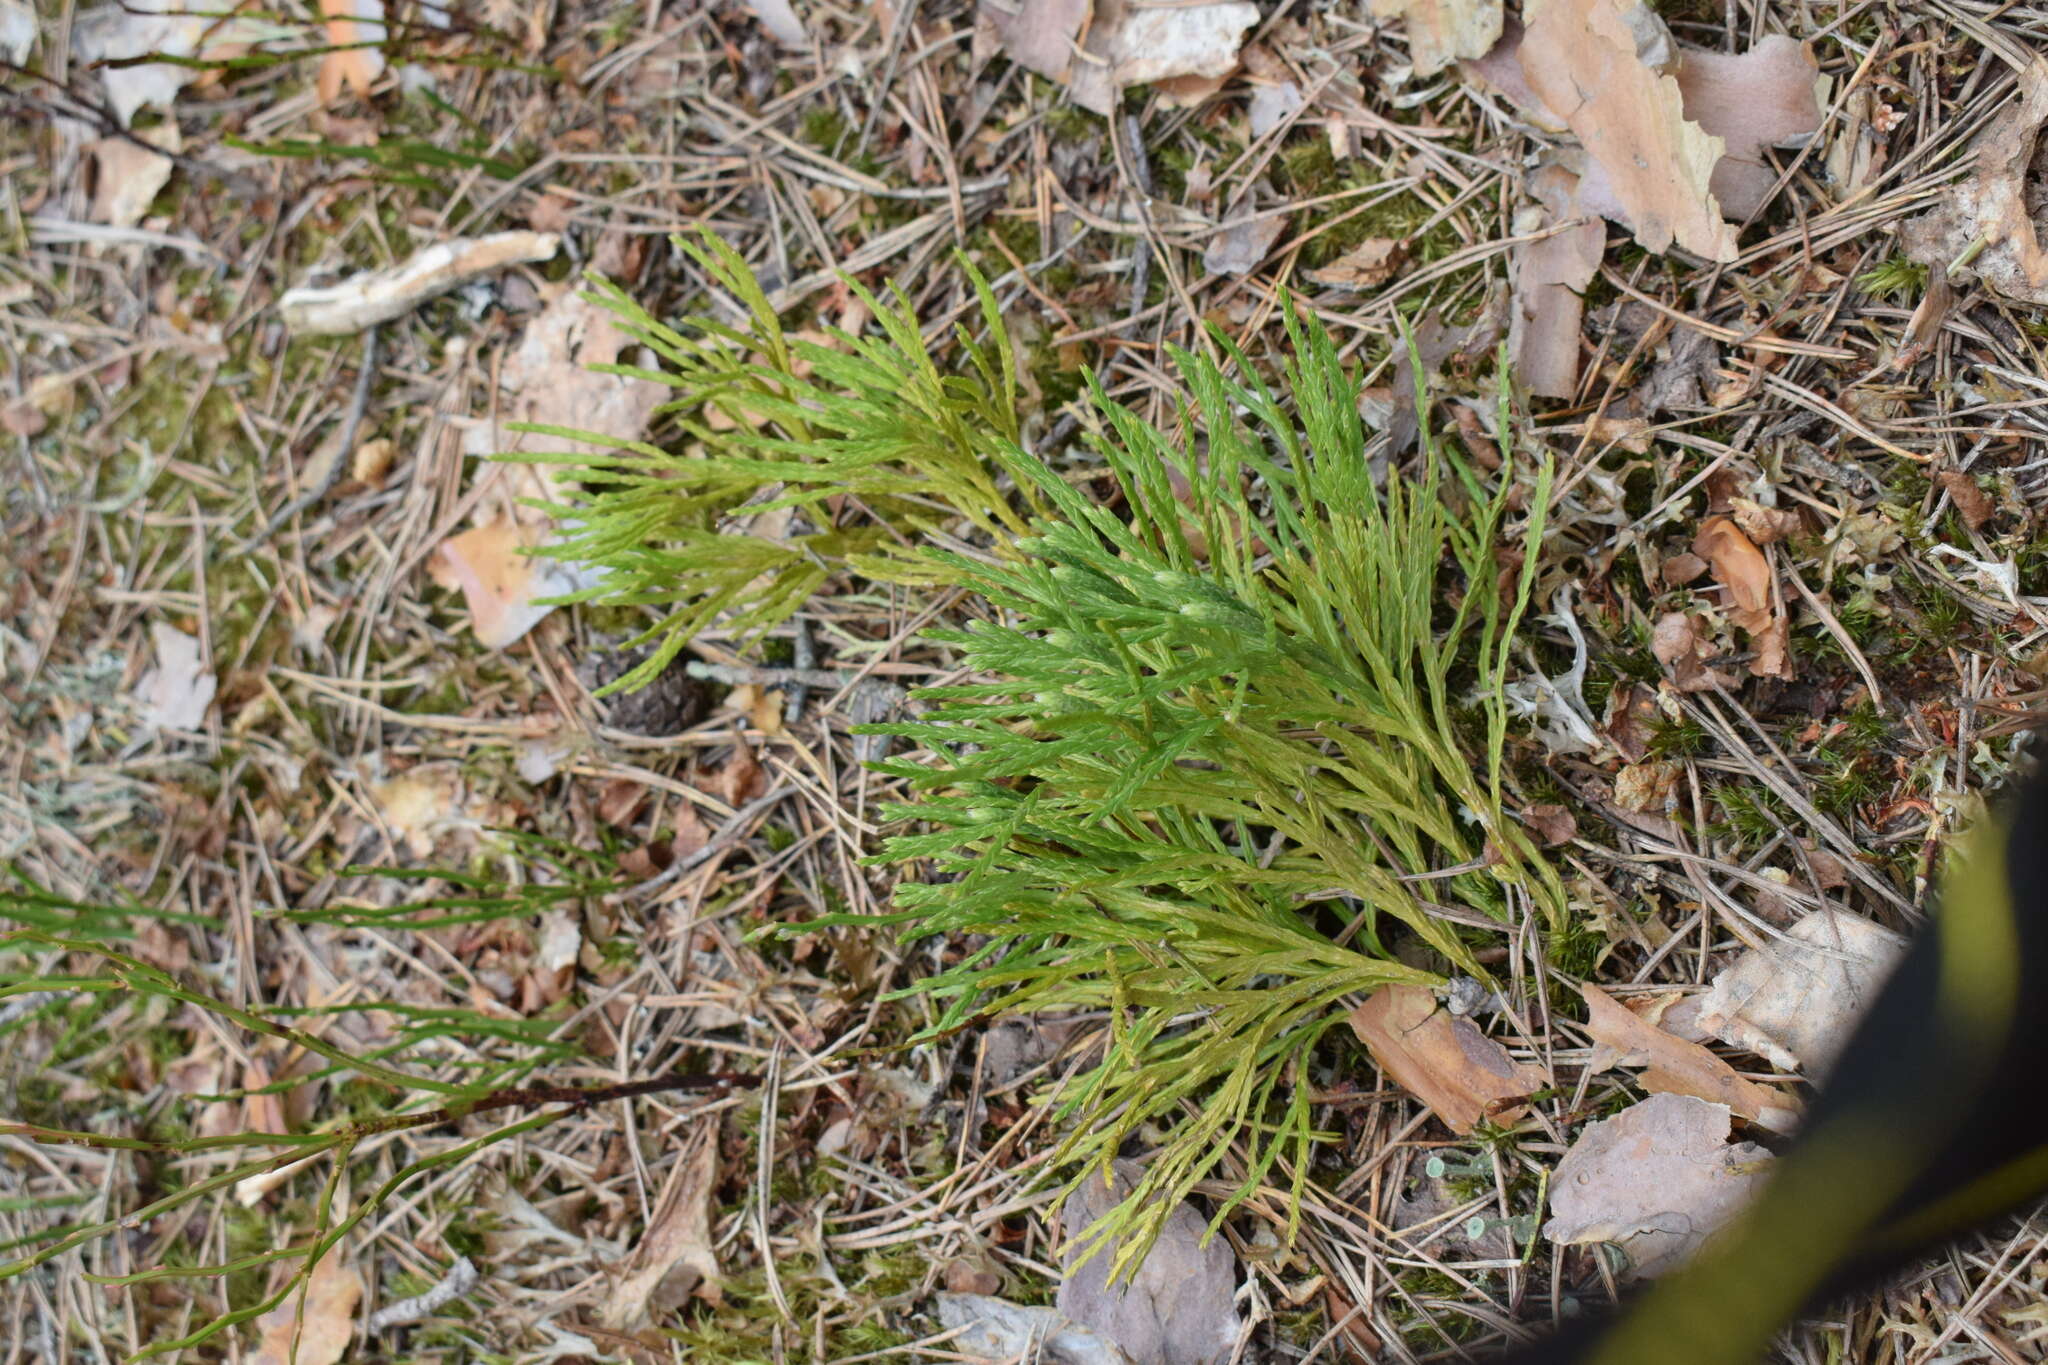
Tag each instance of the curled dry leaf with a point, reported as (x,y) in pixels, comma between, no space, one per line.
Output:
(500,582)
(1238,248)
(127,177)
(351,67)
(1764,525)
(1973,505)
(998,1330)
(674,1259)
(1551,273)
(1655,1180)
(1741,568)
(380,295)
(1598,65)
(1648,786)
(1553,824)
(314,1328)
(1671,1065)
(1681,646)
(1179,1307)
(1369,264)
(1442,31)
(1442,1060)
(1794,1000)
(1986,227)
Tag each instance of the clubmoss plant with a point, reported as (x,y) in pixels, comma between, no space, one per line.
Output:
(1216,713)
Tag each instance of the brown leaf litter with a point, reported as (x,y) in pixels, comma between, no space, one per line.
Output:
(994,1329)
(1672,1065)
(1097,49)
(178,691)
(314,1327)
(1794,1000)
(1442,1059)
(1671,142)
(1744,571)
(1442,31)
(674,1260)
(1177,1308)
(1656,1180)
(1988,227)
(1551,273)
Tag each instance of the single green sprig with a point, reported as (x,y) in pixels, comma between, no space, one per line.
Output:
(1236,694)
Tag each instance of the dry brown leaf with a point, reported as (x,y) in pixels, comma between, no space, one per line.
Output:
(1745,571)
(1367,265)
(1765,97)
(1039,35)
(1681,646)
(1655,1180)
(1647,786)
(1764,525)
(1550,277)
(1442,31)
(176,693)
(1681,569)
(1553,824)
(1598,65)
(674,1259)
(357,68)
(499,581)
(993,1329)
(1442,1060)
(1795,1000)
(1132,44)
(1675,1066)
(1238,249)
(1177,1308)
(1499,70)
(127,177)
(741,779)
(1987,218)
(1973,505)
(372,461)
(313,1329)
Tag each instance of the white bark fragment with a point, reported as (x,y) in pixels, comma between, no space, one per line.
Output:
(380,295)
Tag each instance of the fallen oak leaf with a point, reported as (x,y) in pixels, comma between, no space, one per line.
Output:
(1674,1066)
(1599,66)
(1984,227)
(1443,1060)
(353,66)
(1177,1307)
(316,1321)
(674,1260)
(1794,1000)
(1371,263)
(1443,31)
(1656,1180)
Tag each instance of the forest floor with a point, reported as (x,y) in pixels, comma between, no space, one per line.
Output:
(238,668)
